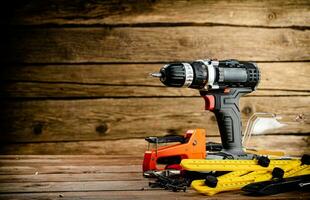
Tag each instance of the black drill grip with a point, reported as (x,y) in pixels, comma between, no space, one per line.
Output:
(228,118)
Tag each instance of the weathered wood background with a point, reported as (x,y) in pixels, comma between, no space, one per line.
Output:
(74,74)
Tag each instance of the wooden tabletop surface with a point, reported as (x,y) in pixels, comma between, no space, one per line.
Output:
(90,177)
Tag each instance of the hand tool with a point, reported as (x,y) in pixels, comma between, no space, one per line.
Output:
(278,186)
(221,84)
(247,174)
(191,145)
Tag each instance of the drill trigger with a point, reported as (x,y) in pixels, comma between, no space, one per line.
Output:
(209,102)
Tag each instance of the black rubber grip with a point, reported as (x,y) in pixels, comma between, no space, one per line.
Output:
(166,139)
(228,117)
(278,186)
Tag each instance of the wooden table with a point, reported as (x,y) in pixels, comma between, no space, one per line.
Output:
(90,177)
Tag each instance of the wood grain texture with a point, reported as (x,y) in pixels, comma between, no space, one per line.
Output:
(81,83)
(101,119)
(148,194)
(154,44)
(74,186)
(133,176)
(11,170)
(73,91)
(47,181)
(55,160)
(273,13)
(292,145)
(282,76)
(72,158)
(25,90)
(132,80)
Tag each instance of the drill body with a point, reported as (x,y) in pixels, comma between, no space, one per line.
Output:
(221,84)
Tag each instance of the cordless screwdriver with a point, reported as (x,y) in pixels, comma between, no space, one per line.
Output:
(221,84)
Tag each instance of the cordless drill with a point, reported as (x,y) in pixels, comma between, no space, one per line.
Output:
(221,84)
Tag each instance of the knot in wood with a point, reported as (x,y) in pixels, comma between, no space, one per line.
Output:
(272,16)
(102,129)
(247,110)
(212,118)
(38,128)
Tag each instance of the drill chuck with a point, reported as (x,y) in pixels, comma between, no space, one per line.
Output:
(209,74)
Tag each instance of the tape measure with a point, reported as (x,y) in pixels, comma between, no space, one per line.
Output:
(234,165)
(199,185)
(265,152)
(234,174)
(250,176)
(298,171)
(235,180)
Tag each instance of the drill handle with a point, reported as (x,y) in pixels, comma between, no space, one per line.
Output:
(225,106)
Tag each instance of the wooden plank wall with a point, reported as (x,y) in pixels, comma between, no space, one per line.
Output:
(74,74)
